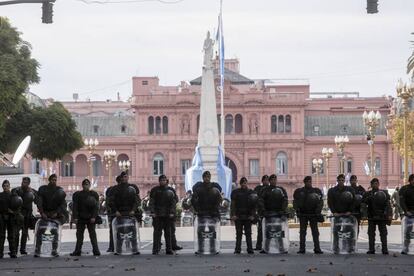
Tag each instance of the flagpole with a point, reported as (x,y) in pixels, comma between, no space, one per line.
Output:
(221,56)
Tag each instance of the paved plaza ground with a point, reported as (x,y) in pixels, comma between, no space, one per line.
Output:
(226,263)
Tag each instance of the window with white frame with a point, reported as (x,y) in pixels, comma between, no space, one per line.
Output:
(158,164)
(254,167)
(281,164)
(185,165)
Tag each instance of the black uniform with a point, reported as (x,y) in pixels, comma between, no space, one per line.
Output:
(85,208)
(111,215)
(124,198)
(308,203)
(275,202)
(242,208)
(52,203)
(342,200)
(407,205)
(359,194)
(162,206)
(29,197)
(258,190)
(173,237)
(9,219)
(379,213)
(206,201)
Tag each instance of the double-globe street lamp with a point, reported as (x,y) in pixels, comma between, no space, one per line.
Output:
(109,158)
(91,145)
(371,121)
(317,165)
(405,92)
(327,154)
(340,142)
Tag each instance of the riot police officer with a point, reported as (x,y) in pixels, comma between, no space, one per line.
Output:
(308,203)
(174,245)
(275,202)
(29,196)
(124,200)
(341,202)
(52,206)
(85,211)
(407,205)
(10,205)
(359,193)
(258,189)
(162,207)
(379,213)
(242,212)
(111,214)
(206,201)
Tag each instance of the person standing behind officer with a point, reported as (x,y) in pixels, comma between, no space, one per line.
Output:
(275,202)
(9,216)
(359,193)
(258,189)
(242,212)
(407,205)
(111,214)
(162,208)
(174,245)
(29,196)
(85,211)
(379,213)
(52,206)
(308,203)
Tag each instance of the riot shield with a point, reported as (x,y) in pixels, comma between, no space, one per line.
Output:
(407,227)
(275,234)
(126,235)
(206,235)
(48,234)
(186,218)
(146,220)
(344,234)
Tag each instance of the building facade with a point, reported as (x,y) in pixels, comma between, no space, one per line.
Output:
(271,126)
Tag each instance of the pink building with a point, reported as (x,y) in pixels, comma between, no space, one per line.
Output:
(271,126)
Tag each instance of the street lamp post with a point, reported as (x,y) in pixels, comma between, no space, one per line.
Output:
(109,158)
(371,121)
(91,145)
(124,165)
(405,93)
(327,154)
(340,142)
(317,165)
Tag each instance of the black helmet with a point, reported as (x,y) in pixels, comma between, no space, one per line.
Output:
(380,199)
(28,197)
(253,199)
(277,194)
(358,199)
(312,200)
(16,202)
(90,202)
(186,204)
(169,194)
(346,199)
(59,196)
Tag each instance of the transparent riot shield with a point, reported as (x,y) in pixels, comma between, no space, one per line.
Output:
(186,218)
(407,227)
(206,235)
(275,234)
(126,235)
(146,220)
(344,234)
(48,234)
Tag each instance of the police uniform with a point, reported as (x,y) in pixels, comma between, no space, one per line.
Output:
(407,205)
(241,207)
(379,213)
(9,218)
(359,194)
(85,208)
(162,206)
(308,203)
(258,190)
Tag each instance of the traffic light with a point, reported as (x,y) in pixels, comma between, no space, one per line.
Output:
(47,12)
(372,6)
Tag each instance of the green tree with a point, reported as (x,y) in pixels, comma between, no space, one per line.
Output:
(397,134)
(17,71)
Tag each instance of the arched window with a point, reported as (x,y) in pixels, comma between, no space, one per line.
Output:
(273,124)
(158,125)
(238,125)
(288,124)
(165,125)
(281,124)
(66,166)
(281,164)
(96,165)
(228,124)
(158,164)
(150,125)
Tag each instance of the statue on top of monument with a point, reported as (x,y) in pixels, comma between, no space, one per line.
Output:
(208,51)
(410,65)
